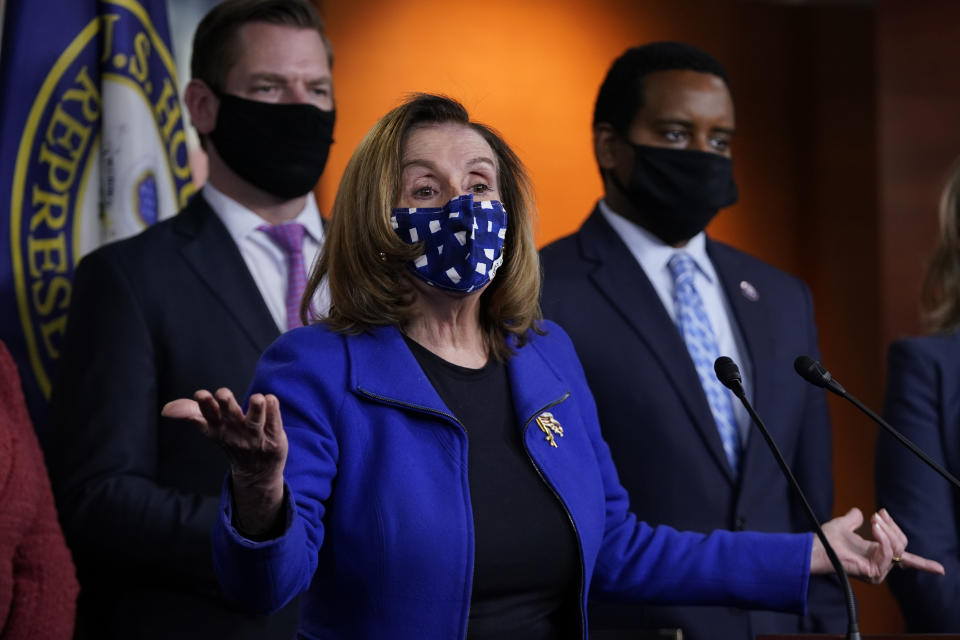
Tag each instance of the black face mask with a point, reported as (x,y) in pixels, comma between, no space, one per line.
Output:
(677,192)
(280,148)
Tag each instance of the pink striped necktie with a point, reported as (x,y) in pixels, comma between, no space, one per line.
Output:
(289,238)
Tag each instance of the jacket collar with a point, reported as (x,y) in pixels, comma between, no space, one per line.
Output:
(214,257)
(752,316)
(750,312)
(535,381)
(622,281)
(383,368)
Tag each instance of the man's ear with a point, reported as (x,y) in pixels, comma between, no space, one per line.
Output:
(202,104)
(605,141)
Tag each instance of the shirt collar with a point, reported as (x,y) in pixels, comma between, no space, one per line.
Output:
(651,252)
(241,221)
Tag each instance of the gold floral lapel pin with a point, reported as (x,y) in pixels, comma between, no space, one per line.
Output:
(550,426)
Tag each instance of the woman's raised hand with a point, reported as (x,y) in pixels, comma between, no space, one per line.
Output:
(869,560)
(256,447)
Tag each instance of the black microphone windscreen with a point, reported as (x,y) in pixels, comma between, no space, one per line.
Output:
(727,372)
(810,370)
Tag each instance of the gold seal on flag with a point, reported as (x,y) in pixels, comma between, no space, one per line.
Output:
(103,145)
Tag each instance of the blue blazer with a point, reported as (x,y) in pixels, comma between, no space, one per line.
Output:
(379,532)
(656,419)
(923,403)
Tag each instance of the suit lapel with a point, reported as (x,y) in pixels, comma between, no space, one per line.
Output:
(534,383)
(625,285)
(215,258)
(749,313)
(383,367)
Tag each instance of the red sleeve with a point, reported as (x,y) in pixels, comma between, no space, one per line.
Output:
(38,584)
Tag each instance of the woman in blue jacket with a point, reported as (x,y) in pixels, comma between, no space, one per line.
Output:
(923,402)
(445,475)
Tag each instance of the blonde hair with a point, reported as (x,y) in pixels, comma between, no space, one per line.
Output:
(941,287)
(365,262)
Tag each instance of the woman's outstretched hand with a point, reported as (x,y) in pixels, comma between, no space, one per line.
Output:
(256,447)
(869,560)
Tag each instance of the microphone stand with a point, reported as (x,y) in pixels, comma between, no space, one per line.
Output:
(729,374)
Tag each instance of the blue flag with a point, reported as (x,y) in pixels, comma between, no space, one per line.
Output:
(92,149)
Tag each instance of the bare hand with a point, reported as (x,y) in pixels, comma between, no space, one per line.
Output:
(255,444)
(869,560)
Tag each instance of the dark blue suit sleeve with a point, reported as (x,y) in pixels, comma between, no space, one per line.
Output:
(922,503)
(104,452)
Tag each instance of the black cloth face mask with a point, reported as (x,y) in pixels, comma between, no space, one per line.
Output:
(677,192)
(281,148)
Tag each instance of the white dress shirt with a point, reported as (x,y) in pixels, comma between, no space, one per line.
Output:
(653,255)
(266,261)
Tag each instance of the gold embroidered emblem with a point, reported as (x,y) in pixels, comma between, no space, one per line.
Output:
(550,426)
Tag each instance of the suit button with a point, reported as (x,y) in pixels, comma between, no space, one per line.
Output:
(739,524)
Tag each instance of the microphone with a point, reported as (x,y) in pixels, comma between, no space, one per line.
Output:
(728,373)
(815,373)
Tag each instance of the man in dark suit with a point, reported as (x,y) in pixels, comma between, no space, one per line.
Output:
(650,301)
(191,303)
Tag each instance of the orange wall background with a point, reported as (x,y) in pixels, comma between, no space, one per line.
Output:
(532,70)
(827,159)
(529,69)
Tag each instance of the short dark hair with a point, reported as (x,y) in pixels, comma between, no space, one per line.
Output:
(621,94)
(214,43)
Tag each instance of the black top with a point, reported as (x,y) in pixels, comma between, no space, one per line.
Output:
(525,569)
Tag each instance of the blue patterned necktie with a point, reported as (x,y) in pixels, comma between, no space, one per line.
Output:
(695,328)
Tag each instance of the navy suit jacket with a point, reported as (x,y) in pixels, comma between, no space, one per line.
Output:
(656,419)
(923,403)
(153,318)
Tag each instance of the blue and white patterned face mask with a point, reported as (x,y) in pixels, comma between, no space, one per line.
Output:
(462,241)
